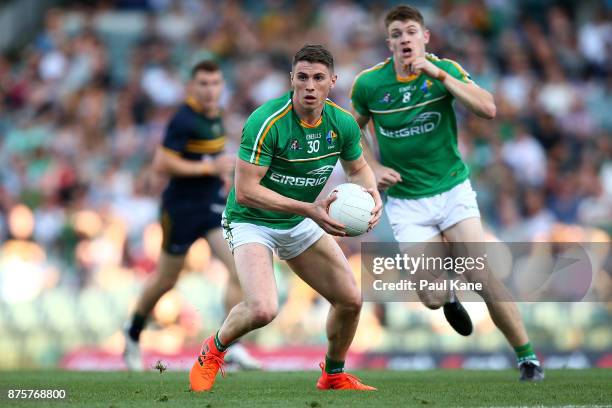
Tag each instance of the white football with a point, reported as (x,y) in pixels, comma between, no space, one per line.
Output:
(352,207)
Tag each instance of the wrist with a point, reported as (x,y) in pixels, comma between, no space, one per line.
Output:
(375,165)
(205,168)
(441,75)
(304,209)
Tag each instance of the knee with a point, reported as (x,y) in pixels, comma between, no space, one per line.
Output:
(262,313)
(433,304)
(352,304)
(432,300)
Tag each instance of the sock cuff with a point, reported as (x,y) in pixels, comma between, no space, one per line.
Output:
(523,348)
(333,367)
(525,353)
(220,346)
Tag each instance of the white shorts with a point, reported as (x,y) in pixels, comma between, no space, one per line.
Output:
(286,243)
(420,219)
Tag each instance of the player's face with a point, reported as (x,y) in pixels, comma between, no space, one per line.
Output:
(311,83)
(206,87)
(406,40)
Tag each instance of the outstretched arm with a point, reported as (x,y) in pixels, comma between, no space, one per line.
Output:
(170,163)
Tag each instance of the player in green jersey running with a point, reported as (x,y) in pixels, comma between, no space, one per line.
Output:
(289,147)
(409,98)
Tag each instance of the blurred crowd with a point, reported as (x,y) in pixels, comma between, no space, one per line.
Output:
(85,103)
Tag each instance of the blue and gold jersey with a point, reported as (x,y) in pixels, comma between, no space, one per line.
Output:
(194,136)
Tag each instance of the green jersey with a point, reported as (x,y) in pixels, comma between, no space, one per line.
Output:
(415,126)
(300,157)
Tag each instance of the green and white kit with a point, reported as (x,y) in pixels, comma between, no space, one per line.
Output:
(416,130)
(300,158)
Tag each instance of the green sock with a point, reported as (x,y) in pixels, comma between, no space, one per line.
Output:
(525,353)
(218,344)
(333,367)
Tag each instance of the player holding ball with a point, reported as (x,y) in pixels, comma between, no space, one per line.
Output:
(289,148)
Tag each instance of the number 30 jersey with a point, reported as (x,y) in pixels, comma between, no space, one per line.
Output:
(300,157)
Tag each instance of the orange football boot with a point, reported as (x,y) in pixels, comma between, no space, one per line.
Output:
(204,370)
(340,381)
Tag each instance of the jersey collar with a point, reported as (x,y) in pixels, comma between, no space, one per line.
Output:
(196,107)
(399,78)
(302,123)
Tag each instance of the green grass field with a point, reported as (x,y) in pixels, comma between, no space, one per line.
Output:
(426,388)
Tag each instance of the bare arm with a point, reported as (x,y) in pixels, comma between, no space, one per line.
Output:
(385,176)
(363,122)
(358,172)
(167,162)
(250,193)
(473,97)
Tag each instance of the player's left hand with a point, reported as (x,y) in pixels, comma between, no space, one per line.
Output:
(377,210)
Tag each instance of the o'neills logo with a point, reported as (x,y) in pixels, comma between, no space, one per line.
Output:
(322,173)
(424,123)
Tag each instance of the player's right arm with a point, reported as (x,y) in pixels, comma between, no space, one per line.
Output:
(255,156)
(168,160)
(250,193)
(172,164)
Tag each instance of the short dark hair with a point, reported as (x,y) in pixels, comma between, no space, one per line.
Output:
(315,53)
(205,65)
(404,13)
